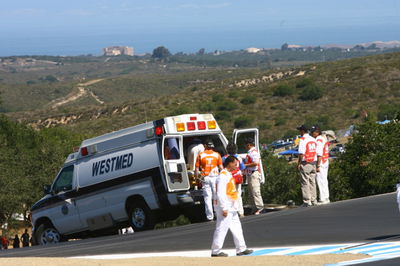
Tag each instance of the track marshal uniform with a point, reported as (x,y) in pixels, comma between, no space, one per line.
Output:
(238,176)
(322,175)
(308,148)
(208,161)
(227,200)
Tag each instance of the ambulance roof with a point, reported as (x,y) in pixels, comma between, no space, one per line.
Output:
(117,134)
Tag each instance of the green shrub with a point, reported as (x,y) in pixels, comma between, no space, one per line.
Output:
(223,115)
(280,121)
(207,106)
(251,99)
(388,111)
(311,93)
(234,94)
(242,121)
(217,98)
(304,83)
(181,110)
(227,105)
(283,90)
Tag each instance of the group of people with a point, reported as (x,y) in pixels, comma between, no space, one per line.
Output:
(17,241)
(222,179)
(313,164)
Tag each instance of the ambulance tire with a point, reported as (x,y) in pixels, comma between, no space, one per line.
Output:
(46,234)
(140,216)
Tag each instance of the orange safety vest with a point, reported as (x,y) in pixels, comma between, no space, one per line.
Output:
(231,191)
(208,160)
(325,154)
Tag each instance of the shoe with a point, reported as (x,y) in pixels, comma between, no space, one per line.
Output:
(315,203)
(327,201)
(221,254)
(258,212)
(245,252)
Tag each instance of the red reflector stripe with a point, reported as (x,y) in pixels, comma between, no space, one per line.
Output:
(191,126)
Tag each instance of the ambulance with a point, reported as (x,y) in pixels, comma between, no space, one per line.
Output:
(134,177)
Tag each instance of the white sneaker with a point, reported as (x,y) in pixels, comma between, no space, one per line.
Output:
(327,201)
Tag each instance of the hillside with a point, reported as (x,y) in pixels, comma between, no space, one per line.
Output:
(349,89)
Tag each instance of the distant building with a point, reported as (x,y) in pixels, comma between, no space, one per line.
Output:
(118,50)
(253,50)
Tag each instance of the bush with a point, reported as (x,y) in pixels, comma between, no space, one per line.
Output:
(280,121)
(311,93)
(223,115)
(388,111)
(217,98)
(283,90)
(242,121)
(304,83)
(227,106)
(206,106)
(371,163)
(282,182)
(181,110)
(249,100)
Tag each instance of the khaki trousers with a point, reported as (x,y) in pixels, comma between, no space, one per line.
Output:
(308,186)
(255,191)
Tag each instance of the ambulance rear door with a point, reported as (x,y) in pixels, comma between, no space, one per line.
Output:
(239,138)
(174,163)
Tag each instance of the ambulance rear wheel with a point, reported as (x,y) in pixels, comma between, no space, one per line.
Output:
(140,216)
(46,234)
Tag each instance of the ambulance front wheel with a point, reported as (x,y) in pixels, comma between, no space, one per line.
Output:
(140,216)
(46,234)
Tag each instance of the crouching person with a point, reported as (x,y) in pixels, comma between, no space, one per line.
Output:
(226,210)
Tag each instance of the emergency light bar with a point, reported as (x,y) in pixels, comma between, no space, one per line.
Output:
(191,126)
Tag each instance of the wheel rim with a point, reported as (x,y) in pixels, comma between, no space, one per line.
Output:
(138,218)
(50,236)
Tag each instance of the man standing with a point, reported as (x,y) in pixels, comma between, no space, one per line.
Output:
(208,162)
(255,179)
(307,166)
(237,174)
(322,165)
(227,212)
(25,238)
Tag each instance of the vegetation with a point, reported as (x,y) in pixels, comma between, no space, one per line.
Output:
(283,90)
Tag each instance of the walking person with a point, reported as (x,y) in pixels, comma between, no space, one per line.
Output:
(16,242)
(208,163)
(25,239)
(322,165)
(226,210)
(307,166)
(254,177)
(237,174)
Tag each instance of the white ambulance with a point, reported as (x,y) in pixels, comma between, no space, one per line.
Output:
(134,177)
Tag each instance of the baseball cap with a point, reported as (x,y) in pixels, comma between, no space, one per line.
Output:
(315,128)
(209,144)
(302,127)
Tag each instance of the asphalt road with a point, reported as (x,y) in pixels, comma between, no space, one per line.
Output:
(358,220)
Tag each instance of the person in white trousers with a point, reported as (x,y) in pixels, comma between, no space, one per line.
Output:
(227,212)
(322,165)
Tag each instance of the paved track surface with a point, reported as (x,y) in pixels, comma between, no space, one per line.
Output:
(353,221)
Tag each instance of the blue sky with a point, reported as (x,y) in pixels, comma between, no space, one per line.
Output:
(85,26)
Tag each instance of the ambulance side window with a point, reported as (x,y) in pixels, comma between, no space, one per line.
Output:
(171,149)
(64,180)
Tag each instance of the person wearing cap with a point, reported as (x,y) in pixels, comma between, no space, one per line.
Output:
(237,174)
(226,211)
(253,174)
(208,163)
(307,166)
(322,164)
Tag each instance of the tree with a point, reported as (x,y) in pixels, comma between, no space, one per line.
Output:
(285,47)
(161,53)
(283,90)
(311,93)
(202,51)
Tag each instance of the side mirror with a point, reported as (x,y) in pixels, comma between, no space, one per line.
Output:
(47,189)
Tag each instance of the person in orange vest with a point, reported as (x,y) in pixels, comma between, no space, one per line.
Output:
(209,163)
(307,166)
(322,165)
(226,210)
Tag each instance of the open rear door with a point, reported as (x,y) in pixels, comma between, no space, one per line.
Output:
(174,163)
(239,138)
